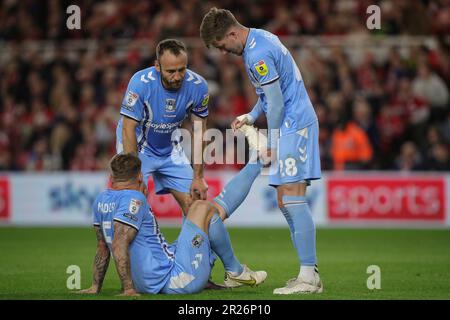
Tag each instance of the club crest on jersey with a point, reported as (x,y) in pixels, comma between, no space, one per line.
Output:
(170,105)
(261,68)
(197,241)
(131,98)
(135,205)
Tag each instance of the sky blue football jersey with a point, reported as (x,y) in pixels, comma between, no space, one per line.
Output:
(151,257)
(267,60)
(159,111)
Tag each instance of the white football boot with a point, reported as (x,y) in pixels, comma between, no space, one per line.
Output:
(247,278)
(299,286)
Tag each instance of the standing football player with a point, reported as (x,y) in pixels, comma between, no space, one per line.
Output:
(293,130)
(157,101)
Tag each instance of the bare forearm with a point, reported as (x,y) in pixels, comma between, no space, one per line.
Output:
(129,142)
(199,128)
(101,263)
(198,171)
(129,135)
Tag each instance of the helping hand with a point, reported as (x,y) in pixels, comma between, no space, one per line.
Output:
(199,189)
(240,121)
(143,189)
(91,290)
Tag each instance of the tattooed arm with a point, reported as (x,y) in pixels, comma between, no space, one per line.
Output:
(123,235)
(101,263)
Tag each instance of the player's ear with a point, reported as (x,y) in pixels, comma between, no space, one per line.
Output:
(157,66)
(232,34)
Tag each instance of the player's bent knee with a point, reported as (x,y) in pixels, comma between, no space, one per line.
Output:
(200,213)
(200,208)
(220,211)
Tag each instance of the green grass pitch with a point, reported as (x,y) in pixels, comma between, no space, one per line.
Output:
(415,264)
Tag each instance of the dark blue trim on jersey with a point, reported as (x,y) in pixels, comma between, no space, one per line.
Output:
(145,128)
(128,224)
(270,81)
(162,240)
(203,117)
(129,117)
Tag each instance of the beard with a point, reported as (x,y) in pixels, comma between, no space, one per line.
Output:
(171,85)
(237,51)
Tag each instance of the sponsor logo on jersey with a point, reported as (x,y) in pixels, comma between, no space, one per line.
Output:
(164,127)
(135,205)
(197,241)
(170,105)
(261,68)
(130,216)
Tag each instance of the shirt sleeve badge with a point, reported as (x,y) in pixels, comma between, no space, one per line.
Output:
(131,98)
(135,205)
(261,68)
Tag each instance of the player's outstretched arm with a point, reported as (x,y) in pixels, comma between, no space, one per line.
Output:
(199,187)
(248,118)
(101,263)
(129,135)
(123,235)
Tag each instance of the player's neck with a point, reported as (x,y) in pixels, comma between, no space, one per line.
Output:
(244,36)
(245,33)
(165,86)
(128,185)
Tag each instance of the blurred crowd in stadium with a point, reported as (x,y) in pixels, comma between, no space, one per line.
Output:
(59,112)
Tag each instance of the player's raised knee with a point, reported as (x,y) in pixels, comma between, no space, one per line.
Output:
(200,213)
(200,207)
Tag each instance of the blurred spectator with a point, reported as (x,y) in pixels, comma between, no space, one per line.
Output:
(439,159)
(66,94)
(412,109)
(430,86)
(432,138)
(409,158)
(363,117)
(391,126)
(350,146)
(445,129)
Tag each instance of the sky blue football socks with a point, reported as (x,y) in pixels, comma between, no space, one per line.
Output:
(237,189)
(221,244)
(304,235)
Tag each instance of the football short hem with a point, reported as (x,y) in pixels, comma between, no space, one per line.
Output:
(308,182)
